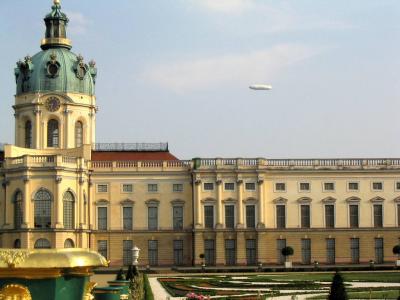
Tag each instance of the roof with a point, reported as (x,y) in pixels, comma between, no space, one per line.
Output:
(131,155)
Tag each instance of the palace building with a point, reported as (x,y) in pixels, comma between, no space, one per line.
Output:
(60,189)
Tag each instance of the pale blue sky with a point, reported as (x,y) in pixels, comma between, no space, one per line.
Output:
(179,71)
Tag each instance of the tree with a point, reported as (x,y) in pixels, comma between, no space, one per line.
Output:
(396,250)
(287,251)
(120,275)
(338,290)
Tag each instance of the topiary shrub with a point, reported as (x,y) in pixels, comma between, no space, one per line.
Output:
(287,251)
(338,290)
(120,275)
(396,250)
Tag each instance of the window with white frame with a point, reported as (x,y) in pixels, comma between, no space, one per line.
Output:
(329,186)
(250,186)
(353,186)
(208,186)
(127,214)
(378,215)
(397,185)
(281,216)
(305,215)
(329,215)
(250,216)
(102,247)
(102,188)
(229,186)
(280,187)
(230,216)
(152,217)
(353,215)
(177,187)
(127,188)
(152,187)
(177,212)
(208,216)
(102,218)
(304,186)
(377,185)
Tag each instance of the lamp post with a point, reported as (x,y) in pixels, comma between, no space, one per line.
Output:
(135,255)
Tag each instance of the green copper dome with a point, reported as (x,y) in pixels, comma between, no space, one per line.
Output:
(56,68)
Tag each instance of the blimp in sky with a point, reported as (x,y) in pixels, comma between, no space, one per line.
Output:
(260,87)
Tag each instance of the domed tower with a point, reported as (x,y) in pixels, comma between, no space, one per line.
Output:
(55,102)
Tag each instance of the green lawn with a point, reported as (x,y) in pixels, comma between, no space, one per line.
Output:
(387,294)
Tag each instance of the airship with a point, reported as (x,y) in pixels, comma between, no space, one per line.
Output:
(260,87)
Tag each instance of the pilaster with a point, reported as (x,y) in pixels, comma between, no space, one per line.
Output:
(58,204)
(240,222)
(219,223)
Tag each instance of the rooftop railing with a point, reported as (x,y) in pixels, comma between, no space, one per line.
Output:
(254,163)
(144,164)
(154,147)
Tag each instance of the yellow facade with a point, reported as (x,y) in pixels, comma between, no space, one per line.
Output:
(56,192)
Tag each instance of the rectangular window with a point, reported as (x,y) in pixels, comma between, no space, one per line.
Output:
(329,186)
(229,186)
(305,216)
(209,252)
(353,186)
(152,218)
(229,216)
(353,208)
(355,250)
(102,247)
(379,250)
(127,188)
(280,187)
(329,216)
(102,188)
(398,215)
(127,252)
(398,185)
(378,215)
(377,186)
(102,218)
(230,252)
(127,217)
(306,251)
(251,252)
(280,244)
(250,216)
(281,216)
(250,186)
(178,252)
(208,186)
(177,212)
(330,251)
(152,187)
(177,187)
(209,216)
(304,186)
(153,253)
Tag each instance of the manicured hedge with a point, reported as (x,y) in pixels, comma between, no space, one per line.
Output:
(147,289)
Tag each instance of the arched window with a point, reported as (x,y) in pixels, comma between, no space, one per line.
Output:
(52,133)
(69,212)
(42,209)
(18,210)
(28,134)
(17,244)
(69,243)
(78,134)
(42,244)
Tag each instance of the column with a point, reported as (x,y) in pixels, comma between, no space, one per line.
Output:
(27,204)
(89,205)
(240,222)
(18,139)
(36,141)
(66,130)
(197,204)
(80,202)
(5,184)
(241,249)
(219,204)
(261,221)
(58,204)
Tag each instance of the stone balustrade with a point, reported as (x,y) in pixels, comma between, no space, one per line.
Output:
(43,161)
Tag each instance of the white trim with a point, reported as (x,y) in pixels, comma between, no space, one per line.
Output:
(178,183)
(377,190)
(255,186)
(328,191)
(280,191)
(97,188)
(304,191)
(122,187)
(230,182)
(207,182)
(352,190)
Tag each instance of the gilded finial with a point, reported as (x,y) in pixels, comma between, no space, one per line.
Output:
(57,2)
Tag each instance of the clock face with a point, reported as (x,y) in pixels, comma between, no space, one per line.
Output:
(53,104)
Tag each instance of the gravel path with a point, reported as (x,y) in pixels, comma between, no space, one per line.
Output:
(159,292)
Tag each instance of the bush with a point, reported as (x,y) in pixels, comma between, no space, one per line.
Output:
(338,290)
(147,289)
(120,275)
(287,251)
(396,250)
